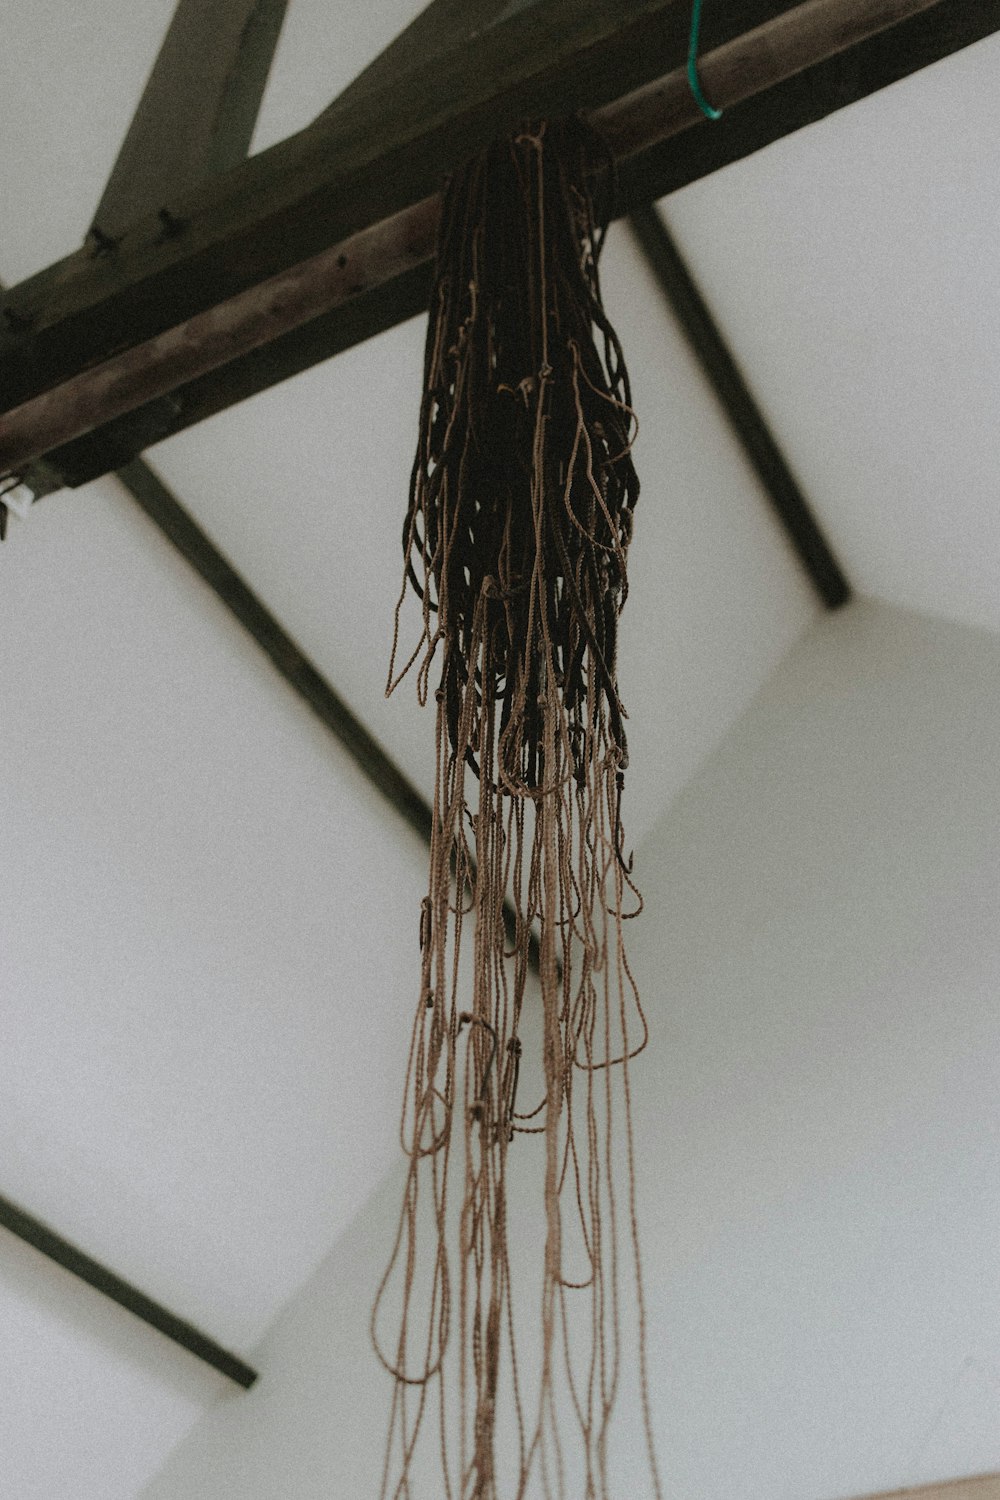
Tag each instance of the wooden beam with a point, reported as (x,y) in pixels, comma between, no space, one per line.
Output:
(52,1245)
(200,552)
(198,110)
(116,442)
(649,31)
(339,176)
(181,529)
(267,309)
(799,101)
(788,44)
(744,415)
(434,32)
(808,97)
(208,340)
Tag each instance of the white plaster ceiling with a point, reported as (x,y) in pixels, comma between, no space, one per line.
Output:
(210,931)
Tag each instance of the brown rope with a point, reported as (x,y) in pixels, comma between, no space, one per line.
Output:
(516,537)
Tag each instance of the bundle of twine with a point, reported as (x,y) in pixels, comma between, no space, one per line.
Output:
(516,537)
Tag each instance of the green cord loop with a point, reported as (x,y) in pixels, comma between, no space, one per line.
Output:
(707,109)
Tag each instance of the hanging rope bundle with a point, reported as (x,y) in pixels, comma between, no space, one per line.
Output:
(519,521)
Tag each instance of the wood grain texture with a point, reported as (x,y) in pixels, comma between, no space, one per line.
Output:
(199,107)
(347,171)
(144,288)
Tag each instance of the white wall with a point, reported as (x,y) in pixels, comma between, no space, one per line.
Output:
(820,1188)
(198,885)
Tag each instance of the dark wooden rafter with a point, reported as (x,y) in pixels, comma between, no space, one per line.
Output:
(354,166)
(200,552)
(52,1245)
(162,507)
(744,415)
(434,32)
(197,112)
(799,101)
(380,152)
(166,512)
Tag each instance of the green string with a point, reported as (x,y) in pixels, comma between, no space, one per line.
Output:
(702,103)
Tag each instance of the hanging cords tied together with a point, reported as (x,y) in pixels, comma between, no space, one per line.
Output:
(515,540)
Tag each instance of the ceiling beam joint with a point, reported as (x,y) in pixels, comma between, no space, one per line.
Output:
(380,157)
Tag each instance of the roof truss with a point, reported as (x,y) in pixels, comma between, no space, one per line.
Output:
(438,93)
